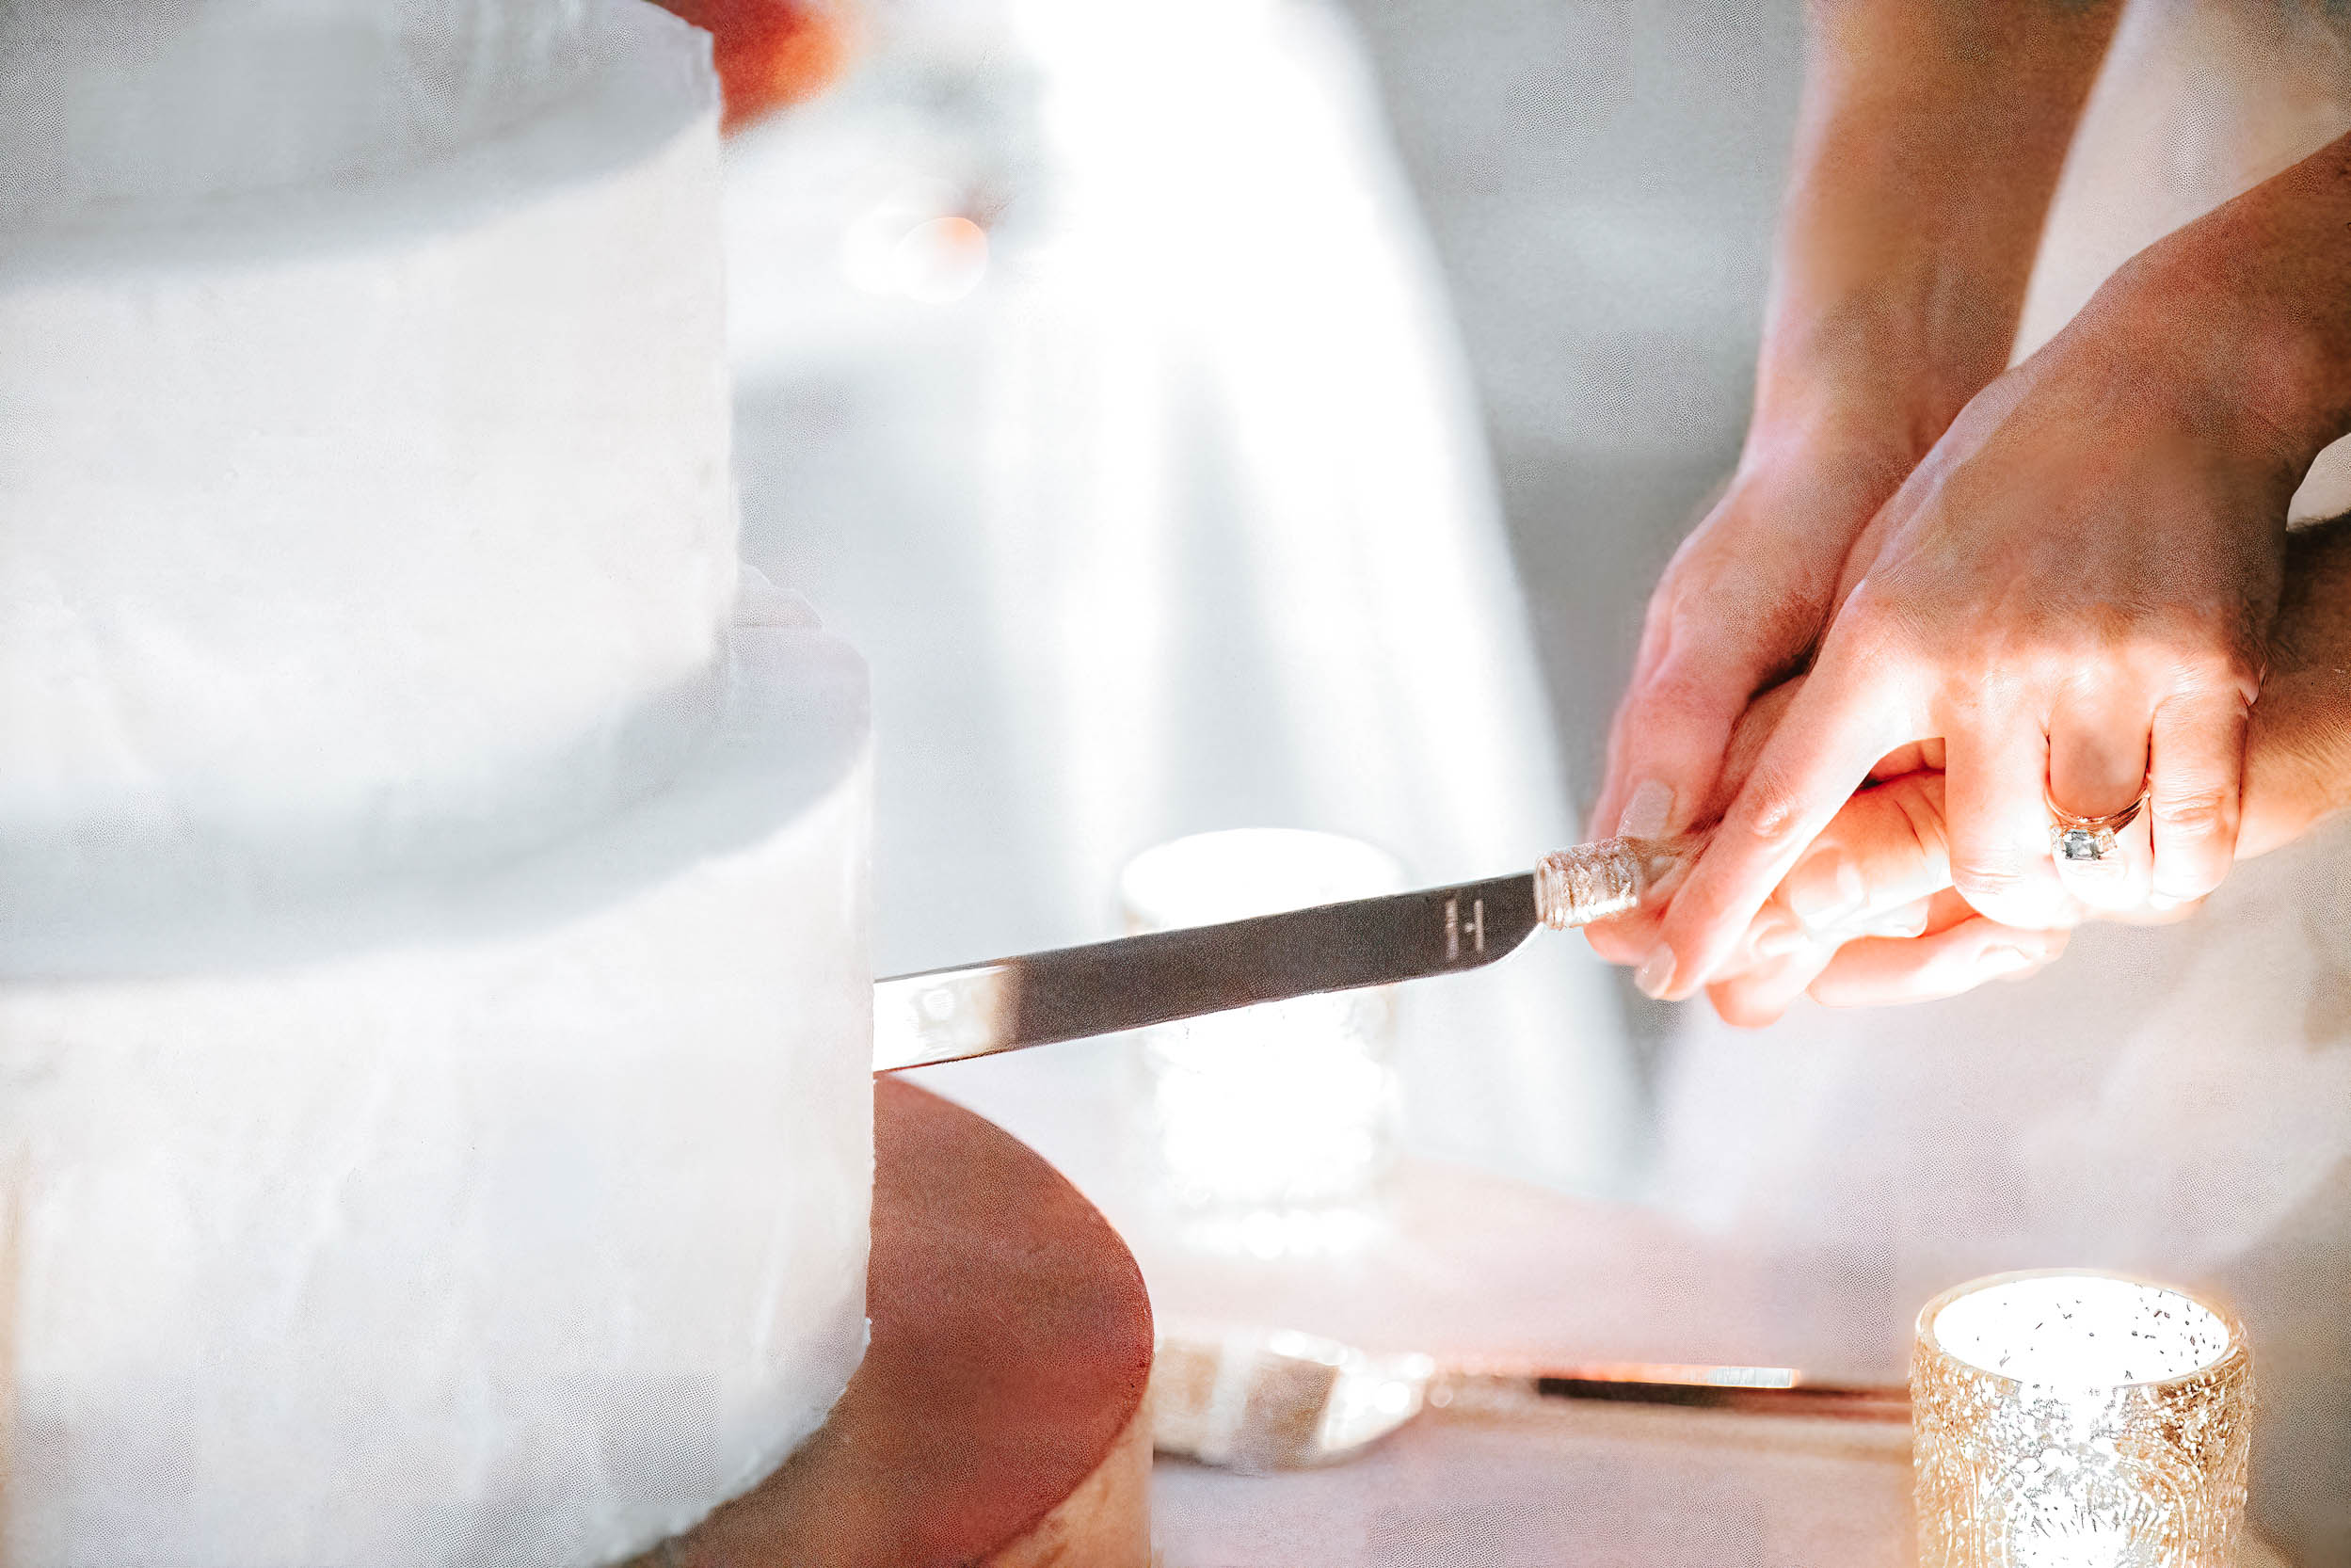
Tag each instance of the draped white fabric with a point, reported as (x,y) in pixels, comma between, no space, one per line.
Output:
(1180,520)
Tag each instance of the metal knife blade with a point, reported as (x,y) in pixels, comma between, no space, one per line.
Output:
(1102,987)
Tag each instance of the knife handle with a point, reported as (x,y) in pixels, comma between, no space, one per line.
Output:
(1610,877)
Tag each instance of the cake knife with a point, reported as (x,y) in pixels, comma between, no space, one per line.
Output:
(1102,987)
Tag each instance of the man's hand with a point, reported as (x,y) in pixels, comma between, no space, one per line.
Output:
(1867,917)
(1740,607)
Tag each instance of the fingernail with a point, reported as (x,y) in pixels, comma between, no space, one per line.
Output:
(1656,975)
(1778,936)
(2007,960)
(1647,813)
(1825,891)
(1902,922)
(2163,901)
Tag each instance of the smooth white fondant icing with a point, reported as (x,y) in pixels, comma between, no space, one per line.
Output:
(136,115)
(525,1234)
(376,510)
(435,1005)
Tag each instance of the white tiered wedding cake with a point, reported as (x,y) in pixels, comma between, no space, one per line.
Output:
(434,1000)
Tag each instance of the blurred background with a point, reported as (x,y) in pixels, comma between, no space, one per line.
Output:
(1600,180)
(1261,414)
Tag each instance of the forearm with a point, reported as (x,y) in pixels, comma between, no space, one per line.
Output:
(1928,146)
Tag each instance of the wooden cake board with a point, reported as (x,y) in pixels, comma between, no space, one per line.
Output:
(998,1418)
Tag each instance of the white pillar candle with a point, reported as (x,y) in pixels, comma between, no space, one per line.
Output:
(1268,1128)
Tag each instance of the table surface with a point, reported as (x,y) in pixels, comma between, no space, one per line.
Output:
(1598,1485)
(1459,1272)
(1471,1266)
(1529,1481)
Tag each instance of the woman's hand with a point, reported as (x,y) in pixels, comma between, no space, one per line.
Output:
(1928,145)
(1742,604)
(2071,593)
(1866,917)
(2071,590)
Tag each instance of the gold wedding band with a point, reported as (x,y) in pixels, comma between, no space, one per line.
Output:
(2087,839)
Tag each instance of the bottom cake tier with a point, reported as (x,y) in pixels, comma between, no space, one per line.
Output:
(523,1231)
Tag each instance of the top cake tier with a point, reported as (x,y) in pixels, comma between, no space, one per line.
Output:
(363,424)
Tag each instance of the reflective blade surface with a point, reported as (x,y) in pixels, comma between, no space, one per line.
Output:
(1103,988)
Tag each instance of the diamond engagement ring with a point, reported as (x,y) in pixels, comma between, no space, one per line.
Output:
(2087,839)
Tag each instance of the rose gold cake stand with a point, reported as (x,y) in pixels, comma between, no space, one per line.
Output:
(998,1418)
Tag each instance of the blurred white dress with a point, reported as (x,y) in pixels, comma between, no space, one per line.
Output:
(2175,1100)
(1178,519)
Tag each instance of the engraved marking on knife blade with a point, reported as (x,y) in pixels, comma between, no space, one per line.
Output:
(1452,930)
(1478,924)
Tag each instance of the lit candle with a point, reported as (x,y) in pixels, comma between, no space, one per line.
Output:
(2071,1419)
(1268,1127)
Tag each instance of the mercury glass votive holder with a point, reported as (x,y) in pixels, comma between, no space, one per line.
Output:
(1267,1129)
(2066,1418)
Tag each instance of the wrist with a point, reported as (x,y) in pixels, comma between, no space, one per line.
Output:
(1906,244)
(1927,147)
(1884,329)
(1846,384)
(2241,308)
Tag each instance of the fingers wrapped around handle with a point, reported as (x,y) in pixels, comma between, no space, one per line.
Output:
(1960,951)
(1854,709)
(1694,679)
(1740,606)
(2196,776)
(2045,764)
(1867,917)
(2094,833)
(1996,766)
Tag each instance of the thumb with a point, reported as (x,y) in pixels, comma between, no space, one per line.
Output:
(1672,760)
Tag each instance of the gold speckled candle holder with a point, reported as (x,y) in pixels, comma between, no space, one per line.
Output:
(2065,1419)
